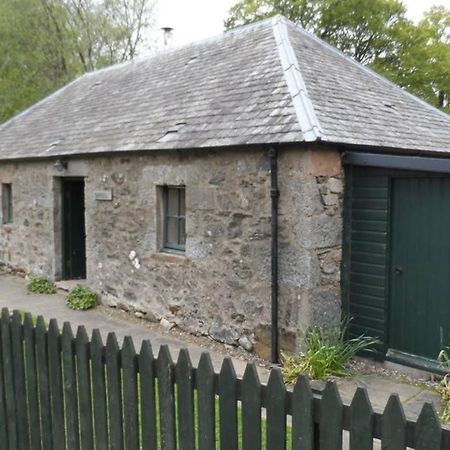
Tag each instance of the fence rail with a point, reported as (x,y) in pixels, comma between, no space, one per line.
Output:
(60,391)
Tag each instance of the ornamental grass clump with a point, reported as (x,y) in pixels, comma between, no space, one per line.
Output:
(81,298)
(327,353)
(41,285)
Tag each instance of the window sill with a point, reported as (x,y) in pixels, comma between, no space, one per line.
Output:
(173,256)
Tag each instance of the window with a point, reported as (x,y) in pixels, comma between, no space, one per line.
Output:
(174,218)
(6,203)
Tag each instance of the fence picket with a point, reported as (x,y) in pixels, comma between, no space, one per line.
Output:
(44,383)
(251,409)
(56,389)
(32,383)
(361,421)
(276,411)
(331,418)
(3,413)
(114,388)
(84,389)
(228,406)
(8,376)
(206,403)
(393,425)
(164,368)
(302,415)
(428,430)
(185,395)
(148,405)
(70,388)
(130,394)
(99,391)
(19,381)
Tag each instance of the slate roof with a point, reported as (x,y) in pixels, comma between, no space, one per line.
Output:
(266,83)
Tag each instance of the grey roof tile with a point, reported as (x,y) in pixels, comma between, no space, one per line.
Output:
(270,82)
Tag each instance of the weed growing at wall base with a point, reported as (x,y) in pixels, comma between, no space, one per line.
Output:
(41,285)
(81,298)
(444,388)
(327,353)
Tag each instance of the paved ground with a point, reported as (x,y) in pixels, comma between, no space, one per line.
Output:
(14,296)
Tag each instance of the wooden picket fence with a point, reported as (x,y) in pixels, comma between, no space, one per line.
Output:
(59,392)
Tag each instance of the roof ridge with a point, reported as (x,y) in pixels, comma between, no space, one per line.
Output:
(365,68)
(306,116)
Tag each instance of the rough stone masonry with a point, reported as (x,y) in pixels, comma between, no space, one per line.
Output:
(221,286)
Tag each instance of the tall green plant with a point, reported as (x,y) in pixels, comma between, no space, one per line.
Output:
(327,353)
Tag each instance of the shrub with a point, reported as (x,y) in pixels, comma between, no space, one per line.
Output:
(41,285)
(81,298)
(327,353)
(444,387)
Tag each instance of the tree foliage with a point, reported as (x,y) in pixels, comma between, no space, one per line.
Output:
(373,32)
(46,43)
(420,59)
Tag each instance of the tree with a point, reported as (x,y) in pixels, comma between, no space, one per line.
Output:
(46,43)
(359,28)
(420,59)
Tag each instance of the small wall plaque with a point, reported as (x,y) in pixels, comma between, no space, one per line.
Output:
(103,196)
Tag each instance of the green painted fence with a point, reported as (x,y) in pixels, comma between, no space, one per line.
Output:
(60,391)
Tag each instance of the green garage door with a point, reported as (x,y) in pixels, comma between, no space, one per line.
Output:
(419,307)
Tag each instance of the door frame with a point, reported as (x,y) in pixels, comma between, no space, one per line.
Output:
(58,222)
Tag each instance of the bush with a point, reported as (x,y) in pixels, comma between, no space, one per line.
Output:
(41,285)
(81,298)
(444,387)
(327,353)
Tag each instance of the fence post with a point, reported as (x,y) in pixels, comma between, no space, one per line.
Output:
(148,404)
(44,383)
(331,418)
(393,424)
(8,378)
(228,406)
(70,388)
(56,389)
(84,389)
(130,395)
(164,366)
(302,415)
(251,409)
(276,411)
(114,388)
(32,382)
(361,421)
(206,403)
(19,381)
(428,430)
(99,391)
(185,391)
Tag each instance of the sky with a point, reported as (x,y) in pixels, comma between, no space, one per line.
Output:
(198,19)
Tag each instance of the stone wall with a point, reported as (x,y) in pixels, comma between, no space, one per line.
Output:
(221,285)
(27,243)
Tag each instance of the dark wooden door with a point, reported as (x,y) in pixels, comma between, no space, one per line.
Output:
(74,231)
(420,266)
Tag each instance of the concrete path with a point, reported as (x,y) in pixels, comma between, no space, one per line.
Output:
(13,295)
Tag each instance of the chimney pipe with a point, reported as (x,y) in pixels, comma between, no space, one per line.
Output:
(168,34)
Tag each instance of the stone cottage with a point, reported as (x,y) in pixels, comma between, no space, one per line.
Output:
(205,185)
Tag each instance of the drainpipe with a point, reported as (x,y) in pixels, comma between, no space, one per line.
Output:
(274,195)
